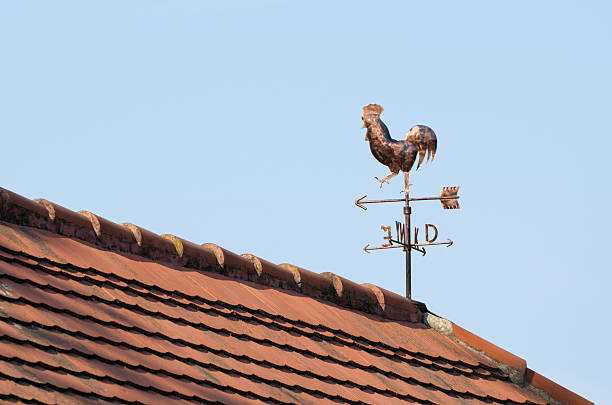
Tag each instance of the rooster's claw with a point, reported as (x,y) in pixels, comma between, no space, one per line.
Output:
(382,181)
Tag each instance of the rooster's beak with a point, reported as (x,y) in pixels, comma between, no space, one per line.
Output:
(363,126)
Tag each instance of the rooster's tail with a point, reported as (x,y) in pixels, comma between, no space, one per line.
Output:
(424,138)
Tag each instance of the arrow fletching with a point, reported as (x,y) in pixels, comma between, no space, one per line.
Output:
(450,204)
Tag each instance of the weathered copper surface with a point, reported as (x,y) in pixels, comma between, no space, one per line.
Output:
(401,155)
(397,155)
(81,323)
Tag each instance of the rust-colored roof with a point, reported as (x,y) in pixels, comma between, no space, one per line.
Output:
(92,311)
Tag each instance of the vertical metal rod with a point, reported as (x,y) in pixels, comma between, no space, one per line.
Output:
(408,250)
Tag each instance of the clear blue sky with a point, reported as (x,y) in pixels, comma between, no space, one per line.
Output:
(238,123)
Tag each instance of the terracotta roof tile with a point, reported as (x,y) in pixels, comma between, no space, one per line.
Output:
(92,311)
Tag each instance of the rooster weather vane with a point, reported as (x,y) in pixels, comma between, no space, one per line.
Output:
(401,156)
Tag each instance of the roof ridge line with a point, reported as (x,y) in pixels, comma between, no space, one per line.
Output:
(513,365)
(128,238)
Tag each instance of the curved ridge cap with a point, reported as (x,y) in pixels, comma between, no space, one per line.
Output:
(95,222)
(380,296)
(4,198)
(48,206)
(65,222)
(178,245)
(395,306)
(217,251)
(135,232)
(271,274)
(336,282)
(257,266)
(22,211)
(310,283)
(294,272)
(353,295)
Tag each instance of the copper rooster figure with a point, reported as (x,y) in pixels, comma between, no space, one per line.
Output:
(397,155)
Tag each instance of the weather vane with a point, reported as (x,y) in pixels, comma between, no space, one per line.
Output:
(401,155)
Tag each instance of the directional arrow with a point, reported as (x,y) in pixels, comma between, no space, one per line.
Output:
(359,202)
(448,244)
(367,249)
(450,195)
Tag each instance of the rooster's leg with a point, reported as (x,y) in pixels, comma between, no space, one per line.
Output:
(406,183)
(386,178)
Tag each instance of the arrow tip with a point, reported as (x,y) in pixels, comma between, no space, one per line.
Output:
(365,248)
(357,202)
(450,243)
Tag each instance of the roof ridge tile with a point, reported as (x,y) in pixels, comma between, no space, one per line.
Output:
(257,266)
(395,306)
(130,238)
(356,296)
(178,244)
(66,222)
(156,247)
(194,255)
(112,236)
(95,223)
(169,248)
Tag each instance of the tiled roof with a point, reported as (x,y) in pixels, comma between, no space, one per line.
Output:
(95,312)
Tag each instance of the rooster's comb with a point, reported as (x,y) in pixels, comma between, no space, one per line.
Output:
(373,109)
